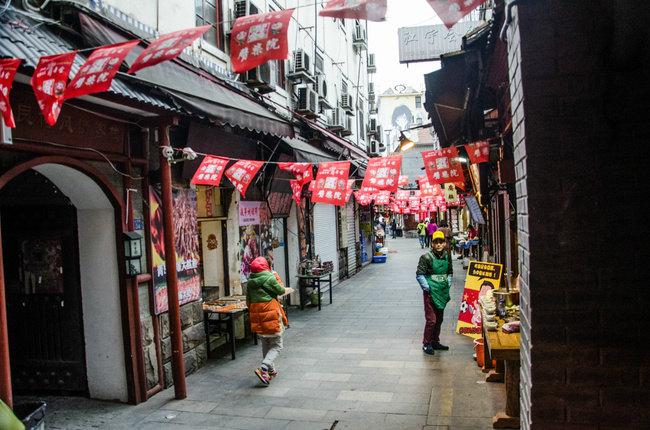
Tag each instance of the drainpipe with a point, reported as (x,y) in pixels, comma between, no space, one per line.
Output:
(178,364)
(508,20)
(5,368)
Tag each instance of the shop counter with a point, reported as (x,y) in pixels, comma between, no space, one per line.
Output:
(217,319)
(505,347)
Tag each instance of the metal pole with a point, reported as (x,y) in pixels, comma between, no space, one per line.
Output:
(5,367)
(178,364)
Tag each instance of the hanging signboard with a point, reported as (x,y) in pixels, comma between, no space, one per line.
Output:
(481,277)
(474,210)
(428,42)
(187,248)
(249,213)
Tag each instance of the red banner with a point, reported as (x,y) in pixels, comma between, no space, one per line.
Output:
(97,73)
(414,203)
(8,69)
(241,174)
(441,166)
(296,190)
(402,195)
(383,173)
(349,190)
(210,171)
(371,10)
(479,152)
(452,11)
(302,171)
(167,47)
(255,39)
(364,199)
(382,198)
(403,180)
(49,81)
(331,183)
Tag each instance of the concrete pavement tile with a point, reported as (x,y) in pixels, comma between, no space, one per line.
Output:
(309,425)
(393,407)
(246,423)
(242,410)
(402,419)
(347,350)
(189,406)
(375,418)
(382,364)
(296,414)
(330,405)
(327,377)
(366,396)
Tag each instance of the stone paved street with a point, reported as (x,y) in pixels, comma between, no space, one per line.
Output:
(358,362)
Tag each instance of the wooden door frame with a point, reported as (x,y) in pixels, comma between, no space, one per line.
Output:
(129,313)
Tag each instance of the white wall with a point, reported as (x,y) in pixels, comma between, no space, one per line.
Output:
(213,272)
(234,259)
(102,312)
(294,251)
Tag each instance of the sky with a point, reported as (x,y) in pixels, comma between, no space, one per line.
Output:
(383,42)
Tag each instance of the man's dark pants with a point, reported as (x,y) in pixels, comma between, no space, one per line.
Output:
(433,317)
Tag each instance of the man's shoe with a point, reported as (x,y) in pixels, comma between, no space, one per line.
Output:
(428,349)
(263,375)
(440,347)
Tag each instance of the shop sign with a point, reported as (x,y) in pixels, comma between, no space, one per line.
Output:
(49,82)
(187,248)
(442,166)
(383,173)
(428,42)
(451,195)
(249,213)
(331,183)
(241,174)
(481,277)
(479,152)
(475,210)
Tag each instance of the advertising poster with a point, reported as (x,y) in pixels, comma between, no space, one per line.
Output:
(187,248)
(481,277)
(254,235)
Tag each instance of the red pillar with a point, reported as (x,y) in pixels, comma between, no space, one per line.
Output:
(5,367)
(178,364)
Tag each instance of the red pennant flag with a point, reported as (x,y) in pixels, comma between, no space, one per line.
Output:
(331,183)
(210,171)
(97,73)
(452,11)
(364,199)
(403,180)
(8,69)
(49,81)
(441,166)
(296,190)
(302,171)
(479,152)
(402,195)
(383,173)
(255,39)
(241,174)
(414,203)
(371,10)
(167,47)
(349,190)
(382,198)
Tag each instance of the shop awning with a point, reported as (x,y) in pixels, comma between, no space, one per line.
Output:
(193,90)
(28,39)
(446,99)
(306,153)
(355,151)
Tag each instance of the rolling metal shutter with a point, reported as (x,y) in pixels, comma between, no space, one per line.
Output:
(351,236)
(325,240)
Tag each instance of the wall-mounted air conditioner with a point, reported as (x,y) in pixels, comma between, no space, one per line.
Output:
(372,67)
(347,130)
(372,126)
(338,120)
(300,67)
(375,147)
(321,86)
(359,39)
(307,101)
(347,103)
(260,78)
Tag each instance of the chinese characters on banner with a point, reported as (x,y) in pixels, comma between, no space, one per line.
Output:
(481,278)
(363,198)
(49,81)
(479,152)
(402,195)
(167,47)
(371,10)
(441,166)
(331,183)
(302,171)
(403,180)
(414,203)
(382,198)
(8,68)
(210,171)
(451,11)
(349,190)
(451,195)
(383,173)
(97,73)
(241,174)
(255,39)
(249,213)
(296,190)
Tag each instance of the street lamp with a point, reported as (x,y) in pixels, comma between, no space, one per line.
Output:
(405,143)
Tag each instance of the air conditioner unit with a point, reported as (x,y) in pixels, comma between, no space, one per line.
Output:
(375,147)
(372,67)
(307,101)
(372,108)
(241,8)
(372,127)
(338,120)
(5,134)
(347,103)
(347,130)
(300,67)
(371,91)
(260,78)
(321,85)
(359,39)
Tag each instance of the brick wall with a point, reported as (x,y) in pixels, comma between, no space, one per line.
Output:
(579,86)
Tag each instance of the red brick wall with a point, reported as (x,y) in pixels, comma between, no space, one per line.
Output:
(581,109)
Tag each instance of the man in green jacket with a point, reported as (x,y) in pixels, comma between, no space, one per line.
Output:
(434,274)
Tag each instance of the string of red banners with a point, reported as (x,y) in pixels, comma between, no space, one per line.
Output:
(255,40)
(380,183)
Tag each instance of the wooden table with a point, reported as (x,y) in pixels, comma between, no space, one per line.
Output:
(316,280)
(220,318)
(505,346)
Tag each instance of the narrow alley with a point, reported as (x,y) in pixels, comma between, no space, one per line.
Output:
(358,361)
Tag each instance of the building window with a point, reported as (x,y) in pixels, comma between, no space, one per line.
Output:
(211,12)
(319,64)
(418,102)
(280,79)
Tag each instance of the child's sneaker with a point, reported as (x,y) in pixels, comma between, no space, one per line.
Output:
(428,349)
(273,373)
(263,375)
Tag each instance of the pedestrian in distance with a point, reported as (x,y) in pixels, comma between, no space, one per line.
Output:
(422,233)
(393,227)
(431,228)
(434,274)
(267,316)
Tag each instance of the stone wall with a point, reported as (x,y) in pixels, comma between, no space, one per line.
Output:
(579,87)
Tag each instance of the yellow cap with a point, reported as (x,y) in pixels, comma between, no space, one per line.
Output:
(438,235)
